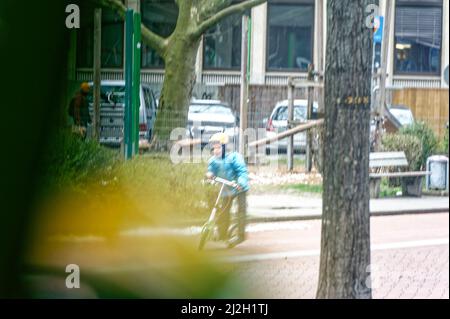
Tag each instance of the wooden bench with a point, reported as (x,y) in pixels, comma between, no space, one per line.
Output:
(381,162)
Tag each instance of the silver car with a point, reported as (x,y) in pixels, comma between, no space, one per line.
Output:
(207,117)
(278,123)
(112,102)
(402,114)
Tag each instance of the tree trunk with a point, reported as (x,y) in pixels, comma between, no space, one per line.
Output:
(179,52)
(345,242)
(179,79)
(179,75)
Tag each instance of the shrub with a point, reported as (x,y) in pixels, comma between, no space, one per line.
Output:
(150,185)
(443,147)
(427,138)
(402,143)
(156,183)
(409,144)
(72,162)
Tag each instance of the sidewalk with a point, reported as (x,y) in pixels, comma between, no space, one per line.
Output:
(281,207)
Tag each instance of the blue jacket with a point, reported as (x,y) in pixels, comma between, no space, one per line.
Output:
(232,168)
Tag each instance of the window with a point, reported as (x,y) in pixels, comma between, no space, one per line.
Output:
(111,94)
(290,35)
(299,113)
(149,100)
(418,37)
(222,44)
(112,42)
(210,109)
(161,18)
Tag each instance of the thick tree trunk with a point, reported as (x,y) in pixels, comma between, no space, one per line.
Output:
(345,242)
(179,51)
(179,79)
(179,75)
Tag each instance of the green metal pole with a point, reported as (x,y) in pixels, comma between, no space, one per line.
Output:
(136,79)
(127,134)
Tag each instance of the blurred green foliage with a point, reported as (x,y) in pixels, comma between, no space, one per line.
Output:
(443,147)
(179,185)
(409,144)
(305,188)
(72,164)
(427,138)
(387,190)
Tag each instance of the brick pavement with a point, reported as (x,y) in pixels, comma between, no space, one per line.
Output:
(397,274)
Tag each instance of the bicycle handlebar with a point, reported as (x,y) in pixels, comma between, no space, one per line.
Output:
(224,181)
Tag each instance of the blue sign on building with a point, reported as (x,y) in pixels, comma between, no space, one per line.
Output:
(377,41)
(379,26)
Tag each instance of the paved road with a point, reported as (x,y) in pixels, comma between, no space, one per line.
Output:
(410,258)
(410,255)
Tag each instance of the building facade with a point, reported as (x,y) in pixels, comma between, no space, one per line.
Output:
(284,38)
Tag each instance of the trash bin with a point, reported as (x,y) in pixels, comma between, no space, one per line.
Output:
(438,167)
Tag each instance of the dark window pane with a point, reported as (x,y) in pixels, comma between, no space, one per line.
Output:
(85,50)
(222,44)
(290,40)
(161,18)
(112,41)
(419,2)
(418,37)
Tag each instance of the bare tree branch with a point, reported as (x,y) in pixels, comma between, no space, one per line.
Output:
(208,8)
(236,8)
(156,42)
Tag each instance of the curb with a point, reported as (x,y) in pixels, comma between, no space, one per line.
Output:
(272,219)
(442,210)
(372,214)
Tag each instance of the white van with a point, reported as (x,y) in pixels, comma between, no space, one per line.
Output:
(112,102)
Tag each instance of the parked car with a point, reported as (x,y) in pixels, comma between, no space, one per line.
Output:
(277,123)
(207,117)
(112,102)
(396,116)
(402,114)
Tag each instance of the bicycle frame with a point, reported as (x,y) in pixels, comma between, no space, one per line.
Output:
(211,223)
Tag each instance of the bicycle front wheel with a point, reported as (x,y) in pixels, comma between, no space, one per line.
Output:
(204,236)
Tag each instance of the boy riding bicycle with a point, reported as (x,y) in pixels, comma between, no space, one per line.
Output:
(230,166)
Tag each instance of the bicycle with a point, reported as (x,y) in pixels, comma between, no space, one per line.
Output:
(210,228)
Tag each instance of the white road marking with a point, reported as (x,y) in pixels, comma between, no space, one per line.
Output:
(195,230)
(159,231)
(316,252)
(77,239)
(271,256)
(186,231)
(412,244)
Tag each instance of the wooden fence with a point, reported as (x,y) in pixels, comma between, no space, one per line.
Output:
(428,105)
